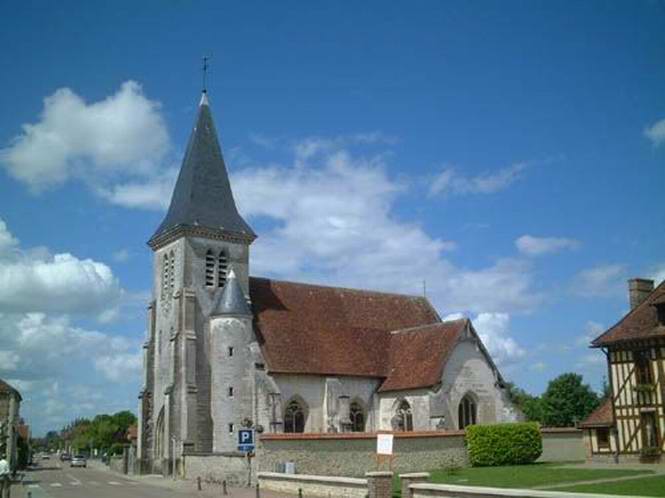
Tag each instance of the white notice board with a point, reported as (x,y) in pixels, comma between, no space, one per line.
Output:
(384,444)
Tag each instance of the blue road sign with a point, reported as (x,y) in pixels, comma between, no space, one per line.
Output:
(246,440)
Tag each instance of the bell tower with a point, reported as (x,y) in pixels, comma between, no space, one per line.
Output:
(200,239)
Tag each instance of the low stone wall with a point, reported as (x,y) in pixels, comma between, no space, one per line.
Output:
(214,468)
(117,464)
(312,485)
(354,454)
(429,490)
(562,445)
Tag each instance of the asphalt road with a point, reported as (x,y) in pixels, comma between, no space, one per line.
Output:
(55,480)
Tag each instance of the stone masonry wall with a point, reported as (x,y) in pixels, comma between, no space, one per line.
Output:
(355,454)
(215,468)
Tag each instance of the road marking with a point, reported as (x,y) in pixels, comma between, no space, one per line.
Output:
(75,481)
(114,483)
(33,485)
(56,485)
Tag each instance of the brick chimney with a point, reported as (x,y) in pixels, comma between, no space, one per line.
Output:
(638,290)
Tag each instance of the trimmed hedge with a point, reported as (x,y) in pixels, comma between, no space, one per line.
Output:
(503,444)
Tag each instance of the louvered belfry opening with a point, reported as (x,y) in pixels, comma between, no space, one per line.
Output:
(222,267)
(210,269)
(165,275)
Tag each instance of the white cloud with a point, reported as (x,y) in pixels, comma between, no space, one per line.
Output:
(37,281)
(656,133)
(493,329)
(591,331)
(121,256)
(122,134)
(657,273)
(536,246)
(123,367)
(335,225)
(153,193)
(7,241)
(450,182)
(600,281)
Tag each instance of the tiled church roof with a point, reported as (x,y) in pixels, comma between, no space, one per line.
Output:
(603,416)
(639,323)
(317,330)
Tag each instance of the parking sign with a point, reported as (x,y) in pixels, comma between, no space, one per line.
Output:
(246,440)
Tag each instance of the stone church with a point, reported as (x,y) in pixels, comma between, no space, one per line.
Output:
(226,350)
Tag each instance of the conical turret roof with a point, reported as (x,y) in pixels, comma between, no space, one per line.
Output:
(202,196)
(232,301)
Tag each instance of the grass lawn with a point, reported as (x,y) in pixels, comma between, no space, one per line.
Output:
(648,486)
(524,476)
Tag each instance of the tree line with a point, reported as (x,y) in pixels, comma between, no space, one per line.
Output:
(105,433)
(566,401)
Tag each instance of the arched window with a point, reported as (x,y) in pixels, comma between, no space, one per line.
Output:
(357,417)
(159,435)
(222,263)
(294,417)
(210,269)
(466,412)
(404,416)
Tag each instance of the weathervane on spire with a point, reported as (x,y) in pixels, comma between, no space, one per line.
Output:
(205,73)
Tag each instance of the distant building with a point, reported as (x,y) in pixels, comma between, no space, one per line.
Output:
(226,350)
(630,425)
(10,401)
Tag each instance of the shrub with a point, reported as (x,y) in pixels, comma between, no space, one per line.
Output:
(503,444)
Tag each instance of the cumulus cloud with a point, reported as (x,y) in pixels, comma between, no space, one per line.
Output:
(37,281)
(121,134)
(656,133)
(123,367)
(600,281)
(494,331)
(591,331)
(333,219)
(451,182)
(152,193)
(536,246)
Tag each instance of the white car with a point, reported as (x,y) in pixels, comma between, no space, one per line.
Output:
(78,461)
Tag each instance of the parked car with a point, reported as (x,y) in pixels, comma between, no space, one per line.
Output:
(46,456)
(64,457)
(78,461)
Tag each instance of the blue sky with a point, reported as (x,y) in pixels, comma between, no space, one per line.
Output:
(511,154)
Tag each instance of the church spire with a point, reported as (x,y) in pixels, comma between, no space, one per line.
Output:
(202,198)
(232,301)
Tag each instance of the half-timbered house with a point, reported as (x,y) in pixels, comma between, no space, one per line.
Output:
(631,425)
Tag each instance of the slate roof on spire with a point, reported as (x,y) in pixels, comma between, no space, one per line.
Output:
(232,301)
(202,196)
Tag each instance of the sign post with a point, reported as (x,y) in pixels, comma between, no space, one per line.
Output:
(384,450)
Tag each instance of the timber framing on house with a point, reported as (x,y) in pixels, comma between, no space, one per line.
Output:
(630,425)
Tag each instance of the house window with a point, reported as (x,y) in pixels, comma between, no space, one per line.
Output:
(643,367)
(650,436)
(222,264)
(466,412)
(404,416)
(603,438)
(230,351)
(230,428)
(210,269)
(357,417)
(294,417)
(230,392)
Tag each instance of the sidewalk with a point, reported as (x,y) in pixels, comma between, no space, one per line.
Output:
(190,487)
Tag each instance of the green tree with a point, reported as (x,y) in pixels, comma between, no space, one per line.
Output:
(529,405)
(567,401)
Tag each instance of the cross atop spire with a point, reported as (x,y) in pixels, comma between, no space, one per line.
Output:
(204,74)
